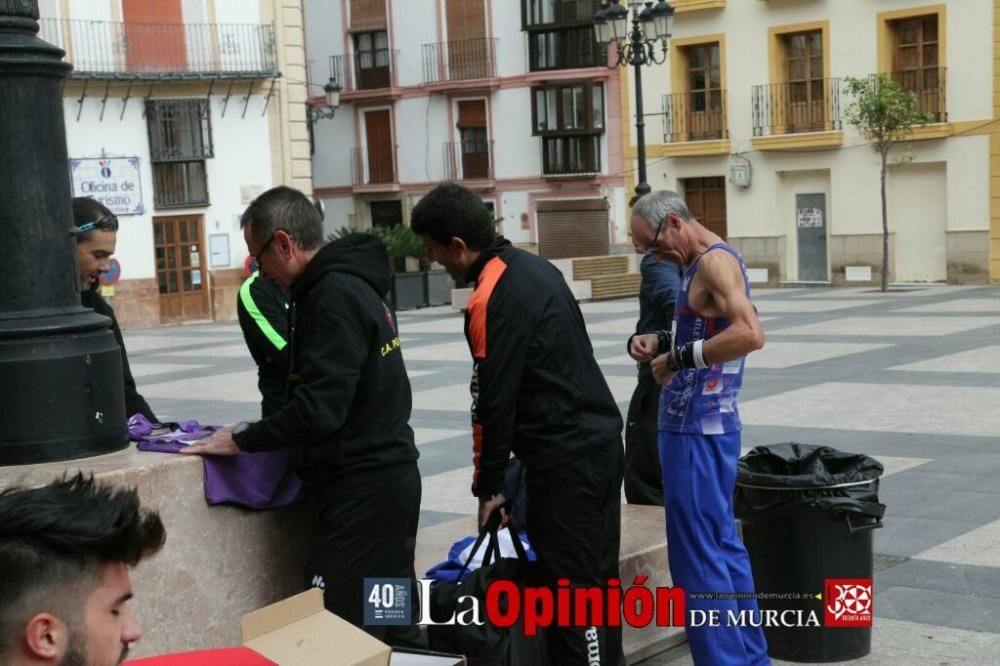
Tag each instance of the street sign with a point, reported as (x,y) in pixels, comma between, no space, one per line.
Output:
(114,181)
(113,275)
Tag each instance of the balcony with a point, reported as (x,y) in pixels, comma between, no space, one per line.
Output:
(467,160)
(571,156)
(797,115)
(929,87)
(365,71)
(374,170)
(113,50)
(695,123)
(460,61)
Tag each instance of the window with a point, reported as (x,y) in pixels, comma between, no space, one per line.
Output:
(561,34)
(180,140)
(570,120)
(915,62)
(704,106)
(371,59)
(804,74)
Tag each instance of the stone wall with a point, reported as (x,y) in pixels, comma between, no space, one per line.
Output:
(858,250)
(968,257)
(136,303)
(763,252)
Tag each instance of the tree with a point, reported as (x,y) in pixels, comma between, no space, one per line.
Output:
(884,113)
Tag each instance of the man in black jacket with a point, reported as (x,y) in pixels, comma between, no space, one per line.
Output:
(536,391)
(349,406)
(96,232)
(262,310)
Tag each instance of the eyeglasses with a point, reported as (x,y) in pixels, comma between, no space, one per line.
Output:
(108,223)
(260,253)
(653,248)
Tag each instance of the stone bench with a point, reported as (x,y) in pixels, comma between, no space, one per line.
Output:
(643,552)
(220,562)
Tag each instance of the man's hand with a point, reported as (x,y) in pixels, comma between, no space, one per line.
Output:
(661,373)
(486,507)
(643,347)
(219,444)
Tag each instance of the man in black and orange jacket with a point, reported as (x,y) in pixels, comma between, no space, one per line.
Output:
(538,392)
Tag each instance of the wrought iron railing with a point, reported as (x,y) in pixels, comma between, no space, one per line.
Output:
(373,167)
(468,160)
(695,116)
(460,60)
(571,155)
(365,70)
(796,106)
(153,50)
(929,86)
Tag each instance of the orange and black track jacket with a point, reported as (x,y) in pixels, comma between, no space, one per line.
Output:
(536,388)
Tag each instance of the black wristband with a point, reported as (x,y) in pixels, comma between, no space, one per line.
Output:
(628,344)
(685,356)
(664,341)
(672,361)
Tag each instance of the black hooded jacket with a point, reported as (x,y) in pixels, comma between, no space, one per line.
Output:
(134,402)
(537,390)
(349,406)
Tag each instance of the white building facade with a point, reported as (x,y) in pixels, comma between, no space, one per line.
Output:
(178,112)
(750,127)
(510,98)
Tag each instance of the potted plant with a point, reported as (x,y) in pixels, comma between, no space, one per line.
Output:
(410,288)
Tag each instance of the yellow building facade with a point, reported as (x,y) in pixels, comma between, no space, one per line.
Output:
(746,119)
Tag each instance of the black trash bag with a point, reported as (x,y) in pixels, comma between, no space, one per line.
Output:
(486,644)
(779,479)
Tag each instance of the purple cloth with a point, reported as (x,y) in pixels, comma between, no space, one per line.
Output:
(256,480)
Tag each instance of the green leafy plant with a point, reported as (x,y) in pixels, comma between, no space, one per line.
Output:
(884,113)
(400,242)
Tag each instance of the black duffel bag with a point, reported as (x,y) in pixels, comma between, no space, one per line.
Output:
(485,644)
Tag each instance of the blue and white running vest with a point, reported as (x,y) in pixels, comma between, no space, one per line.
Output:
(702,402)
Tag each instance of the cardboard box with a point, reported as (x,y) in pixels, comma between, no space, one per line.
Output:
(299,631)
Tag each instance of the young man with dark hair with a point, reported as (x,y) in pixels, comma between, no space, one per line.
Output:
(346,420)
(96,232)
(65,551)
(536,391)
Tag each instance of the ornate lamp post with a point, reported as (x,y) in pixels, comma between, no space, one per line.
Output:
(331,91)
(636,46)
(61,392)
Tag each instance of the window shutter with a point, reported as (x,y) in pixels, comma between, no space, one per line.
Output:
(367,15)
(472,114)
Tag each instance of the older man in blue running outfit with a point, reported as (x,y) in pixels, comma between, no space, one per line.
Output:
(700,364)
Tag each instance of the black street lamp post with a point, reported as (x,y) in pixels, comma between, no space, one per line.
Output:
(636,46)
(61,392)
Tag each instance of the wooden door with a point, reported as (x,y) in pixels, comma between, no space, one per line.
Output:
(154,36)
(806,99)
(474,146)
(378,132)
(371,59)
(706,199)
(180,270)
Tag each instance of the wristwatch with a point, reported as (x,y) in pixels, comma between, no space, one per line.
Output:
(239,430)
(672,364)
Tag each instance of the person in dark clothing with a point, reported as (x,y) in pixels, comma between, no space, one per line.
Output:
(262,310)
(347,416)
(643,482)
(96,231)
(538,392)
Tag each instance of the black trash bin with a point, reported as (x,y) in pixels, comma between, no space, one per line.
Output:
(808,513)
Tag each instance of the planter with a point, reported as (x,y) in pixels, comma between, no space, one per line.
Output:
(439,286)
(409,290)
(418,289)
